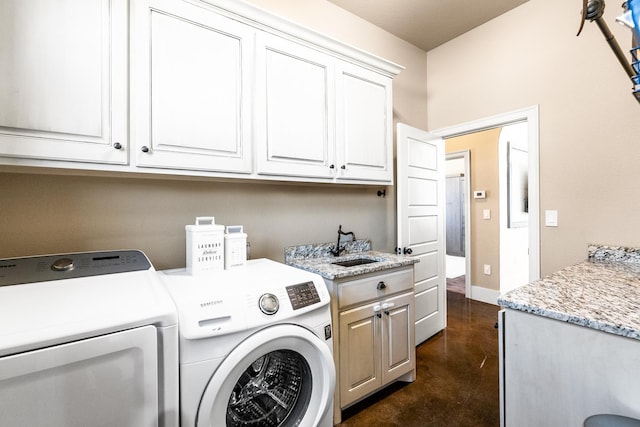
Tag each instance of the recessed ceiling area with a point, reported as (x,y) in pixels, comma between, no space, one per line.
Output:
(427,23)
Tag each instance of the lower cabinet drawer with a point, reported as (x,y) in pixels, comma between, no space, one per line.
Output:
(377,286)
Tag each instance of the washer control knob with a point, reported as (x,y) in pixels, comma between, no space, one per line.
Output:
(63,264)
(269,304)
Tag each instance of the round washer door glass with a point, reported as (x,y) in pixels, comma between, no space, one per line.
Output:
(281,376)
(273,391)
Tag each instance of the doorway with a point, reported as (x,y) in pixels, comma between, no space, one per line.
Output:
(530,117)
(458,236)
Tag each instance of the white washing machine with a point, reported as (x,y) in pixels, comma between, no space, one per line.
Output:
(255,346)
(87,339)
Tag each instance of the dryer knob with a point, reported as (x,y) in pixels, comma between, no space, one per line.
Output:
(269,304)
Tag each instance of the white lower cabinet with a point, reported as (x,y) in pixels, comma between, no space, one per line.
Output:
(374,343)
(554,373)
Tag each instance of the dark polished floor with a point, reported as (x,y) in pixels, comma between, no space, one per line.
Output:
(457,372)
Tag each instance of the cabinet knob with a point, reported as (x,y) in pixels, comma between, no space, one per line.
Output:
(117,146)
(343,167)
(144,149)
(332,166)
(381,285)
(407,251)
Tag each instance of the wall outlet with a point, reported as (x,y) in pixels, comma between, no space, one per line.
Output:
(487,269)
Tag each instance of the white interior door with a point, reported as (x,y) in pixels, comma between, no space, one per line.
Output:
(421,232)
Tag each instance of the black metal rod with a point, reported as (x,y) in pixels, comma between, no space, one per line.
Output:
(613,44)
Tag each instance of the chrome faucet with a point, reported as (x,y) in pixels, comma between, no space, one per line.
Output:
(337,250)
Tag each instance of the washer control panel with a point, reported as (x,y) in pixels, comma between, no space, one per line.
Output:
(16,271)
(303,295)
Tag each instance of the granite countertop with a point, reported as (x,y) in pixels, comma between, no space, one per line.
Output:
(317,258)
(602,293)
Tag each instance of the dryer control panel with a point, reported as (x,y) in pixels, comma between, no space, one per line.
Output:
(16,271)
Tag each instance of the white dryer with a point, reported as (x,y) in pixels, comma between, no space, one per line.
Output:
(255,346)
(86,339)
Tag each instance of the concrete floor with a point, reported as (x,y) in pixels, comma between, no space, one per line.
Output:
(457,372)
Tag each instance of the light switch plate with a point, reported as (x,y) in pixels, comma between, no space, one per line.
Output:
(486,214)
(487,269)
(551,218)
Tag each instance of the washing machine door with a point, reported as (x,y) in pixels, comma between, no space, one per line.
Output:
(282,375)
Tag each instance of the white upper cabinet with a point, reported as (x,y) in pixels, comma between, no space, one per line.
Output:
(294,109)
(364,124)
(63,68)
(217,88)
(191,88)
(318,116)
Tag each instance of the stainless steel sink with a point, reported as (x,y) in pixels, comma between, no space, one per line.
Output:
(354,262)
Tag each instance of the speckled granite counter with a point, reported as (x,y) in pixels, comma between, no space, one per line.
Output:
(602,293)
(317,258)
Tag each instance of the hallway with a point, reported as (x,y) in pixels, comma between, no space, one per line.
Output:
(457,372)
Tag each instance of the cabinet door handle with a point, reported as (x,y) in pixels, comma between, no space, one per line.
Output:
(381,285)
(145,149)
(343,167)
(376,310)
(332,166)
(117,146)
(386,306)
(407,251)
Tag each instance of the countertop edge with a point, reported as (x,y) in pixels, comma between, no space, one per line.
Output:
(600,295)
(572,319)
(324,265)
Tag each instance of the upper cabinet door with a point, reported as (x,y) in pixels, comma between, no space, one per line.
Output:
(64,70)
(191,88)
(294,109)
(364,124)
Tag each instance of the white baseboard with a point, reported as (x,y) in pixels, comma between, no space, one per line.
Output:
(489,296)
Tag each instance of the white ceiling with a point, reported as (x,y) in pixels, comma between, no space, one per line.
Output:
(427,23)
